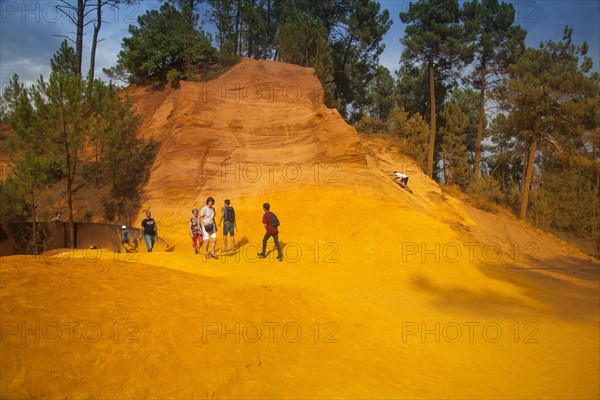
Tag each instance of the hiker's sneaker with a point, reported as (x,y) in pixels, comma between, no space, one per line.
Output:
(260,255)
(214,256)
(207,256)
(280,258)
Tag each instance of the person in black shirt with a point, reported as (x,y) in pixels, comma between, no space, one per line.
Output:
(149,230)
(228,214)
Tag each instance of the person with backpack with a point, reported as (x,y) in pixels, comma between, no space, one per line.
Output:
(271,223)
(228,215)
(195,232)
(209,227)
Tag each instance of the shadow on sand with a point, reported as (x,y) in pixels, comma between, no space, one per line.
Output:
(549,296)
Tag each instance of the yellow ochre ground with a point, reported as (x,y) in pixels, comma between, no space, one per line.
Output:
(382,293)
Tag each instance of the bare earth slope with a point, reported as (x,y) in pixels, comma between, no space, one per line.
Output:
(382,293)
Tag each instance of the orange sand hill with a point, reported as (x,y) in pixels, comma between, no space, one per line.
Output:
(382,293)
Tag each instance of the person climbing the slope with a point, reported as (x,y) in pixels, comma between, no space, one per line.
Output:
(57,217)
(228,214)
(403,178)
(195,232)
(149,231)
(209,227)
(271,223)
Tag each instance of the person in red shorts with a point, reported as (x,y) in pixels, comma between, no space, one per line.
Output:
(271,223)
(195,232)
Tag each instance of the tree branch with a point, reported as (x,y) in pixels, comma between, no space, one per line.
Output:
(74,21)
(66,37)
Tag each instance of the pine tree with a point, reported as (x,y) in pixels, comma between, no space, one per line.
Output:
(222,14)
(64,117)
(549,95)
(412,131)
(496,42)
(433,36)
(356,30)
(454,148)
(165,40)
(115,125)
(77,13)
(412,89)
(467,101)
(10,97)
(381,92)
(27,147)
(302,40)
(504,156)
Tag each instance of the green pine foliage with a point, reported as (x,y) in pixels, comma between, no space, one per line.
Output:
(356,29)
(495,42)
(53,123)
(381,93)
(550,97)
(10,97)
(566,201)
(456,168)
(412,131)
(434,37)
(165,39)
(302,40)
(467,101)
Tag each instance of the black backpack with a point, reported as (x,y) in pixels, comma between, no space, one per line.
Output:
(229,214)
(274,220)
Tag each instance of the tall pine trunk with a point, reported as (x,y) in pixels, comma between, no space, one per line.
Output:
(238,49)
(524,169)
(526,180)
(95,40)
(430,156)
(445,163)
(477,162)
(250,42)
(79,39)
(70,168)
(269,43)
(34,217)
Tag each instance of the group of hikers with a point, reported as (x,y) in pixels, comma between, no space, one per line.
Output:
(202,228)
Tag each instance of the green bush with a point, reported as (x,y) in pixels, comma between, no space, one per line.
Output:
(173,77)
(371,125)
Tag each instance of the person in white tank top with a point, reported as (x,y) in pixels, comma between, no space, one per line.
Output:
(403,178)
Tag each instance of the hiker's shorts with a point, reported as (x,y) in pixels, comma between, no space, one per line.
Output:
(228,228)
(206,235)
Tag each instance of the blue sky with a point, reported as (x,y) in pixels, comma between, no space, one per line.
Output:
(30,31)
